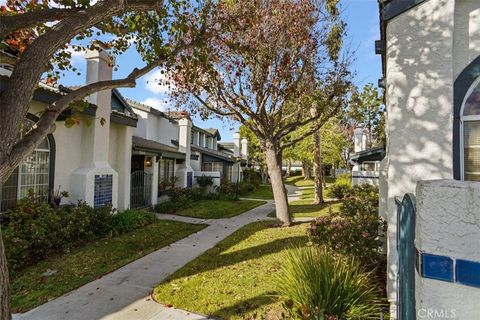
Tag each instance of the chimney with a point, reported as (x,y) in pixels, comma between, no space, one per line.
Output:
(244,148)
(236,144)
(359,140)
(184,138)
(99,68)
(95,181)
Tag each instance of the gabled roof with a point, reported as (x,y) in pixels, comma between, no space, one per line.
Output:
(209,132)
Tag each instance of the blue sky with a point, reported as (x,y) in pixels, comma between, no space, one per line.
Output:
(362,30)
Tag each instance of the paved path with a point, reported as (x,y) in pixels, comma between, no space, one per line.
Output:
(125,293)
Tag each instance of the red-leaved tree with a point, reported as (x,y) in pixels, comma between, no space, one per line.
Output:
(271,63)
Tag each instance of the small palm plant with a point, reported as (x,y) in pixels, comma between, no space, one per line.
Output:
(316,285)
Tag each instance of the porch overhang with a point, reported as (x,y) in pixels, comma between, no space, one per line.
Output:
(375,154)
(151,146)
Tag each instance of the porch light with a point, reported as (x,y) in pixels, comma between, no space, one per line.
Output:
(148,161)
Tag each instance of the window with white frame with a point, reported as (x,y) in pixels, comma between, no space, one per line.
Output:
(31,176)
(470,124)
(212,166)
(166,171)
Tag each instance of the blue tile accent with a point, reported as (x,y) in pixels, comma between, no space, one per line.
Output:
(437,267)
(103,190)
(468,272)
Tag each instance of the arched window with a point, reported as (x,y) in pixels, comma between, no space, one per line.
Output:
(470,136)
(32,174)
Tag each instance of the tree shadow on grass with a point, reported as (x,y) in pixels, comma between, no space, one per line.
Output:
(215,258)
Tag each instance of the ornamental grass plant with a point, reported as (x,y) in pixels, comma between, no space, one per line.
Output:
(318,285)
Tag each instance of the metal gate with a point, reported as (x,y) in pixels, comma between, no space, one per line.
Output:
(406,257)
(140,189)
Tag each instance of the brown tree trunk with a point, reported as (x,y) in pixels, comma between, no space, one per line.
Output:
(264,174)
(4,283)
(306,171)
(274,164)
(317,168)
(289,168)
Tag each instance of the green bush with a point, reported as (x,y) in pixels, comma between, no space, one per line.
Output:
(130,220)
(34,230)
(353,236)
(225,187)
(355,230)
(204,181)
(341,187)
(81,222)
(244,188)
(252,177)
(362,199)
(318,285)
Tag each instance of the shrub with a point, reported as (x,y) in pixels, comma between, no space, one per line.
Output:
(35,230)
(353,236)
(355,229)
(204,181)
(318,285)
(81,222)
(362,199)
(252,177)
(32,232)
(341,187)
(130,220)
(244,188)
(180,194)
(225,187)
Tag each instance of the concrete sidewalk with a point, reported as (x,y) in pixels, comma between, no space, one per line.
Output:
(125,293)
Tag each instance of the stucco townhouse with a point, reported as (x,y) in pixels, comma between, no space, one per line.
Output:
(430,53)
(124,161)
(168,147)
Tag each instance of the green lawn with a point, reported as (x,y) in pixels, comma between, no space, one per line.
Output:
(216,209)
(263,191)
(87,263)
(234,280)
(299,181)
(305,209)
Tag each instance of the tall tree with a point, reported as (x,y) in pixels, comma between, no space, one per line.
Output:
(260,73)
(38,37)
(366,110)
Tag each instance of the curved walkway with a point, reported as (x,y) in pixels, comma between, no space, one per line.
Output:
(125,293)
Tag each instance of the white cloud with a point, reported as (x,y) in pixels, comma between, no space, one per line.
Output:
(157,82)
(77,56)
(159,104)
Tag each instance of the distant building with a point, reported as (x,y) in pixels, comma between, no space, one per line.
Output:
(366,162)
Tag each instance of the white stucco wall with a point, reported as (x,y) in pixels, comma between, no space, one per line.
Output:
(448,224)
(167,131)
(196,164)
(419,97)
(427,47)
(120,158)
